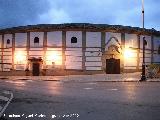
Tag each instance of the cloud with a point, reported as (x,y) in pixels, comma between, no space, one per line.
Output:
(55,16)
(105,11)
(122,12)
(152,16)
(21,12)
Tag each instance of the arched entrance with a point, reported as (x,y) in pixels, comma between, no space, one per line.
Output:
(112,56)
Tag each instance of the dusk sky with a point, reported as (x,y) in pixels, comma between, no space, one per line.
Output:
(114,12)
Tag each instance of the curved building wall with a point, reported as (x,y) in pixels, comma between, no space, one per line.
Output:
(75,49)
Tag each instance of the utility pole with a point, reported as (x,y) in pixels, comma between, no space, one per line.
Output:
(143,76)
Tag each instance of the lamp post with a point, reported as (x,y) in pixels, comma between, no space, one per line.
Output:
(143,76)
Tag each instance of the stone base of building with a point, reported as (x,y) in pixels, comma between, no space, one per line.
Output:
(57,72)
(130,70)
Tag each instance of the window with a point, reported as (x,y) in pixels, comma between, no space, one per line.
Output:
(73,40)
(8,41)
(145,42)
(36,40)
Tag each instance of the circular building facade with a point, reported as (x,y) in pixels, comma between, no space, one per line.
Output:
(76,48)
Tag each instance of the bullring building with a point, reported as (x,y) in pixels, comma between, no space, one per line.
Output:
(52,49)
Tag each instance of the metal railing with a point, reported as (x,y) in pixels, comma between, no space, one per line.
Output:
(152,70)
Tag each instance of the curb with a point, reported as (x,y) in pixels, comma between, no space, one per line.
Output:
(91,78)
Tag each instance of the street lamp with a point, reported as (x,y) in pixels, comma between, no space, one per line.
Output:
(143,76)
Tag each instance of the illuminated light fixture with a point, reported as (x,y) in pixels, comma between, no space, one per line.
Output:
(53,56)
(20,57)
(128,53)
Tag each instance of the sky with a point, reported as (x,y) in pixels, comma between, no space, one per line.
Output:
(115,12)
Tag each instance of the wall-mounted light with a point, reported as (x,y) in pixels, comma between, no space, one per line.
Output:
(128,53)
(53,56)
(20,57)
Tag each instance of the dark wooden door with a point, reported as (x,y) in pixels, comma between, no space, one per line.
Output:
(112,66)
(117,66)
(35,69)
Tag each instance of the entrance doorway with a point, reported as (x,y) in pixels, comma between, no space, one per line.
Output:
(35,69)
(112,66)
(35,64)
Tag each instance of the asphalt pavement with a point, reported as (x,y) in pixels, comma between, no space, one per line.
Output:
(82,100)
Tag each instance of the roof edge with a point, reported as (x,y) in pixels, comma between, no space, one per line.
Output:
(101,27)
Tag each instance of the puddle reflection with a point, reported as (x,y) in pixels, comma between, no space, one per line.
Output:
(54,88)
(130,91)
(17,84)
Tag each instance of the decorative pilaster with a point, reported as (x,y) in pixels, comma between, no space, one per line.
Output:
(63,49)
(103,37)
(28,48)
(83,50)
(13,49)
(2,51)
(138,52)
(44,49)
(122,48)
(152,49)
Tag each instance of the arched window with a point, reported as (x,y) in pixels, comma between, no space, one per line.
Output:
(145,42)
(8,41)
(36,40)
(73,40)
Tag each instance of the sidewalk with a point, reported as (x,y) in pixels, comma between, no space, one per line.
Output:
(125,77)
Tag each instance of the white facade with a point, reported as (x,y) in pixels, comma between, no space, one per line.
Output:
(93,51)
(156,45)
(131,41)
(75,49)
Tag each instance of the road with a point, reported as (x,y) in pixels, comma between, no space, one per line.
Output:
(56,100)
